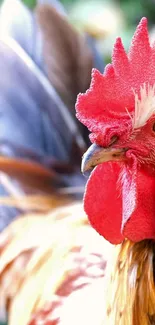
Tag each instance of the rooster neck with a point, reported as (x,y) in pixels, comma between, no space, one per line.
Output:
(132,286)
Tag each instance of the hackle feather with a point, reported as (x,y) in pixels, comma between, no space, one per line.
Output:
(131,292)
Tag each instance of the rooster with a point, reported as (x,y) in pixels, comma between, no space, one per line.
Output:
(119,110)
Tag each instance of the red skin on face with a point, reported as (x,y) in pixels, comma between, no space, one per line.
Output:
(102,202)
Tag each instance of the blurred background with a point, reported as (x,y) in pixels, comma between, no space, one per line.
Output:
(107,19)
(47,51)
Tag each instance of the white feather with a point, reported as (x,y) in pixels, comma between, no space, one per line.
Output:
(144,106)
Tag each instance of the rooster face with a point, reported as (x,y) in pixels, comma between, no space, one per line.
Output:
(119,110)
(139,143)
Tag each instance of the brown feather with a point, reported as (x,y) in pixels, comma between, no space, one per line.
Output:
(132,287)
(31,175)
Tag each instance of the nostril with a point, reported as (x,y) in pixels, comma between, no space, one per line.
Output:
(114,139)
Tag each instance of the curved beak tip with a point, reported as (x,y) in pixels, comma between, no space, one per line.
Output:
(88,160)
(96,155)
(85,168)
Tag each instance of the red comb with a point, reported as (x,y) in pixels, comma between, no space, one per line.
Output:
(111,95)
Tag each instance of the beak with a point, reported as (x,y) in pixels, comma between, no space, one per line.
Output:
(96,155)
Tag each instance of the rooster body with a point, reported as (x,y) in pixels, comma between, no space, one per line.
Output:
(122,121)
(59,273)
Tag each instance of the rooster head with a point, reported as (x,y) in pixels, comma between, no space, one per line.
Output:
(119,111)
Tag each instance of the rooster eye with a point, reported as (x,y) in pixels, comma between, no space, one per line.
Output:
(153,127)
(114,139)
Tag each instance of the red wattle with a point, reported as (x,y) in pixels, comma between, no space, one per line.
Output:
(141,224)
(103,201)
